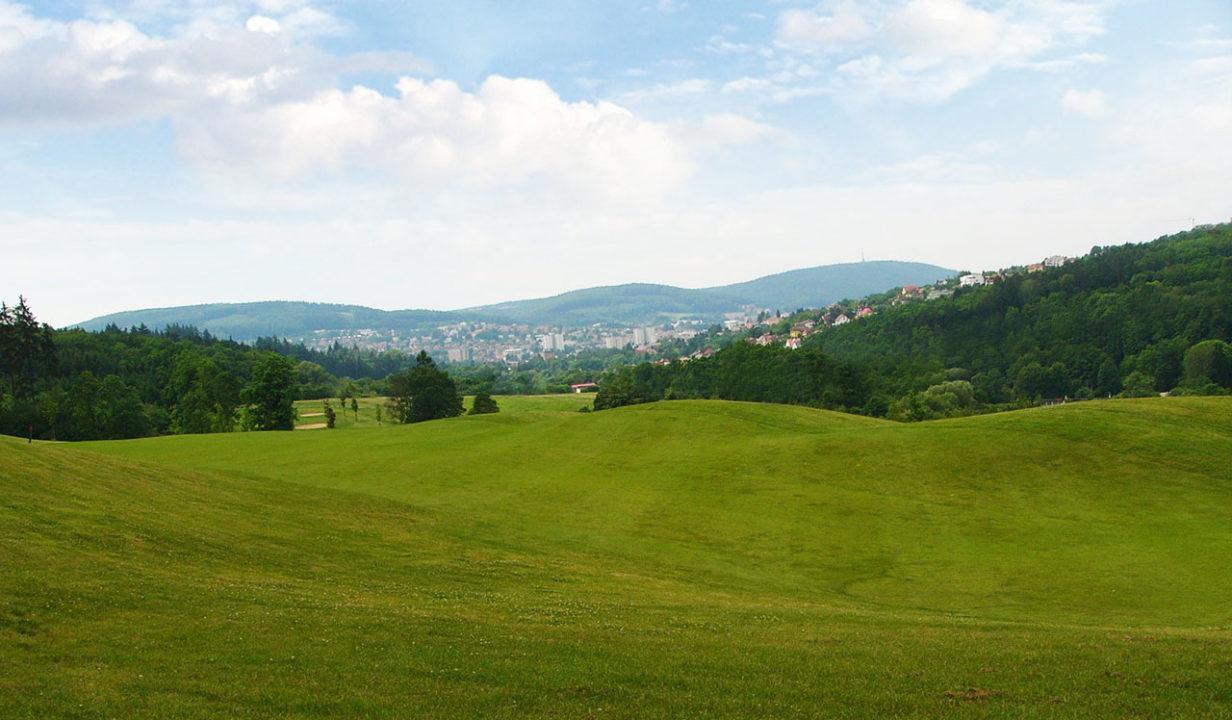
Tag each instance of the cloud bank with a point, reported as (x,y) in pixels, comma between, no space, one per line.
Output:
(247,100)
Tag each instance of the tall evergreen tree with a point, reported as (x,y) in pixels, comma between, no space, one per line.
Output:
(27,351)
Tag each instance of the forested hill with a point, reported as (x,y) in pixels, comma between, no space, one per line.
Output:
(650,304)
(629,304)
(819,286)
(1132,321)
(245,322)
(1137,319)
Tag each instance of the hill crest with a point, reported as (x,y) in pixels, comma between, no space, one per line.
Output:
(628,304)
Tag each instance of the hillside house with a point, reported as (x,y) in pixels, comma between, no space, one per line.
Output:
(584,387)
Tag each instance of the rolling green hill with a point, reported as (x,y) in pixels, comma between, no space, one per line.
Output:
(638,303)
(682,559)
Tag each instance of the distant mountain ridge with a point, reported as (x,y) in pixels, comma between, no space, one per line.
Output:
(630,304)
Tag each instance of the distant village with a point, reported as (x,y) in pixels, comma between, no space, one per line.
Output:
(513,344)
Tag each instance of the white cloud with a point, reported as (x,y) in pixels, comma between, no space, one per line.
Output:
(667,91)
(968,165)
(864,67)
(309,22)
(729,128)
(746,84)
(928,50)
(1088,103)
(87,72)
(822,29)
(723,46)
(944,28)
(262,24)
(300,19)
(18,25)
(247,102)
(509,132)
(1184,115)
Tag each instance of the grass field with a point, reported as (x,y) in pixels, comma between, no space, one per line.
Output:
(683,559)
(312,412)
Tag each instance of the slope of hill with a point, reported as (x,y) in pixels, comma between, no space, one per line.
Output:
(621,304)
(638,303)
(646,304)
(820,286)
(1120,318)
(680,559)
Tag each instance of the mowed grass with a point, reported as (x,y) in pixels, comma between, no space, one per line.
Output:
(685,559)
(311,413)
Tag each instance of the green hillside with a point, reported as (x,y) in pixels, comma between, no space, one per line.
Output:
(684,559)
(1140,319)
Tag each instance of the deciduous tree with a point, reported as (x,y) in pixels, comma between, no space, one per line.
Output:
(424,393)
(271,395)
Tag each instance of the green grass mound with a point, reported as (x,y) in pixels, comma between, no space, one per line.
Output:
(684,559)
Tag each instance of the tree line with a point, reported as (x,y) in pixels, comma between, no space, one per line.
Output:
(743,371)
(78,385)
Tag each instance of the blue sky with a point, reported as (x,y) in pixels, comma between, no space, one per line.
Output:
(442,155)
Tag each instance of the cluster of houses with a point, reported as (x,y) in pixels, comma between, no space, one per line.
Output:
(987,278)
(832,316)
(837,314)
(515,343)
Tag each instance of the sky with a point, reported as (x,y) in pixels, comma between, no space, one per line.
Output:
(451,154)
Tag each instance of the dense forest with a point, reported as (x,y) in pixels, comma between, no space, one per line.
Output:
(117,383)
(76,385)
(743,371)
